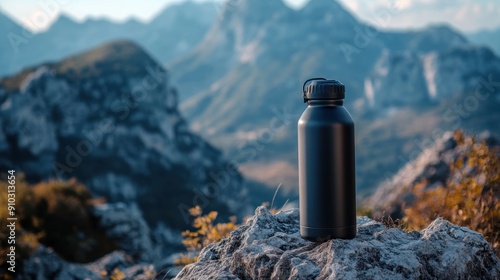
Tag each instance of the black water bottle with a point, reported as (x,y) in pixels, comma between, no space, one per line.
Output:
(327,194)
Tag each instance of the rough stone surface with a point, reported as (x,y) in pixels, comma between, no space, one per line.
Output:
(46,264)
(270,247)
(119,261)
(127,228)
(108,117)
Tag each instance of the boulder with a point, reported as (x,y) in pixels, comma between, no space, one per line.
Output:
(270,247)
(125,225)
(46,264)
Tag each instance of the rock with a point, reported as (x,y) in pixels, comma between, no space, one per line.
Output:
(125,225)
(109,118)
(119,261)
(46,264)
(270,247)
(431,166)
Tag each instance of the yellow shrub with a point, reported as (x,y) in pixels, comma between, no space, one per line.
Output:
(56,214)
(206,233)
(25,243)
(117,275)
(470,197)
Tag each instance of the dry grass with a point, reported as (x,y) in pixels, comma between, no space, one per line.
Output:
(470,197)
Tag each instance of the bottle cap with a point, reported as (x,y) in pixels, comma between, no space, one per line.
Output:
(323,89)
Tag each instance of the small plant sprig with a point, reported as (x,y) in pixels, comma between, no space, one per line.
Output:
(206,233)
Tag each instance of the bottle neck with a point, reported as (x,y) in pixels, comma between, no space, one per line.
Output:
(338,102)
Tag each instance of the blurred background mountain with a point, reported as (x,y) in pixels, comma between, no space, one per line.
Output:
(198,106)
(161,36)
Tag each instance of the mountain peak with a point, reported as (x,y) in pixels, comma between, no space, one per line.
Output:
(117,56)
(203,13)
(63,21)
(331,9)
(249,8)
(312,3)
(445,30)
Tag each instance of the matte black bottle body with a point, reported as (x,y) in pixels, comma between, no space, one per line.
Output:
(326,172)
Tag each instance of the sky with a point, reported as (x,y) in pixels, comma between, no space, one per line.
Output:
(466,15)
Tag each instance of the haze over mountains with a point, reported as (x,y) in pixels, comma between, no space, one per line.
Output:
(250,66)
(172,33)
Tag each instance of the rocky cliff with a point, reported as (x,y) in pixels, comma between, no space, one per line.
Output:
(405,78)
(269,247)
(109,118)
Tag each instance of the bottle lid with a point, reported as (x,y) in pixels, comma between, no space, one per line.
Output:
(323,89)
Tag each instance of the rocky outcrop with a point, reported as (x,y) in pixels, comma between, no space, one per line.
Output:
(46,264)
(109,118)
(270,247)
(128,230)
(432,166)
(120,264)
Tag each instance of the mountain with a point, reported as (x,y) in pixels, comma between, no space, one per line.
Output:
(177,29)
(433,38)
(488,37)
(242,84)
(173,32)
(109,117)
(408,78)
(9,44)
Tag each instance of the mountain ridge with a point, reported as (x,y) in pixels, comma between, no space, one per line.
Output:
(116,129)
(487,37)
(164,38)
(261,74)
